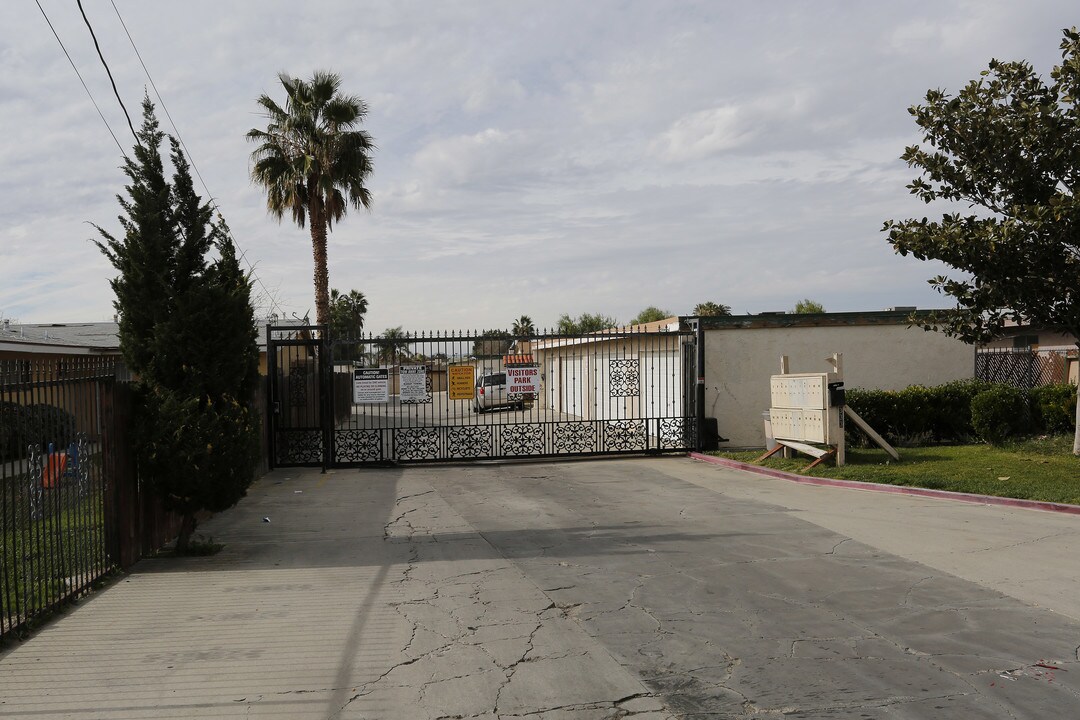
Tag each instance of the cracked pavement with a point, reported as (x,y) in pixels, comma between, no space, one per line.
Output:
(632,588)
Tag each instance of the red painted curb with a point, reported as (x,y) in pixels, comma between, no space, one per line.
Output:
(894,489)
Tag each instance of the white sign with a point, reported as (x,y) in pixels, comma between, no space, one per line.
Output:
(414,384)
(523,380)
(371,385)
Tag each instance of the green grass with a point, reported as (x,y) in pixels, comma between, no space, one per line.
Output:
(1042,468)
(41,558)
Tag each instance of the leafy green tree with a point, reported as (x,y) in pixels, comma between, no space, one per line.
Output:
(711,309)
(650,314)
(585,323)
(492,343)
(808,307)
(313,163)
(1007,144)
(524,326)
(187,332)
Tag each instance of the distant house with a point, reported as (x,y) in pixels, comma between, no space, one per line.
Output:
(647,371)
(47,351)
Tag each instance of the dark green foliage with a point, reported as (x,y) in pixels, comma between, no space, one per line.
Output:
(200,453)
(650,314)
(1053,407)
(1006,150)
(808,307)
(493,343)
(998,413)
(917,414)
(40,425)
(711,309)
(187,331)
(347,313)
(585,323)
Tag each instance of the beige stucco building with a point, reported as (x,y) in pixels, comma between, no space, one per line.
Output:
(880,350)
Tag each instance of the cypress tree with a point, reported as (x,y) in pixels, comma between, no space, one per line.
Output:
(187,332)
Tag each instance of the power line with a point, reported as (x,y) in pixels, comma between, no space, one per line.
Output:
(87,89)
(107,70)
(213,203)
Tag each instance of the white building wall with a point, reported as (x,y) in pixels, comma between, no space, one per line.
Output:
(739,362)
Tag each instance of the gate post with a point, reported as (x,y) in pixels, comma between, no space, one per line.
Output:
(326,394)
(699,396)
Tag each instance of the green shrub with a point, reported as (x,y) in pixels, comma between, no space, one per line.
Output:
(917,414)
(40,424)
(999,413)
(1053,408)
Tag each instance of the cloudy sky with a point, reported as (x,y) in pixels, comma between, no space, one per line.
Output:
(533,158)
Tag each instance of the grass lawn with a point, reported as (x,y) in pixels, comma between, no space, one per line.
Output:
(1042,468)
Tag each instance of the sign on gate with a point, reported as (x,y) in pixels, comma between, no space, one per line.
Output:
(371,385)
(461,378)
(414,386)
(523,380)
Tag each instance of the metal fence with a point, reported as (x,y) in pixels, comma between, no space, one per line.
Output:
(1022,368)
(457,396)
(53,537)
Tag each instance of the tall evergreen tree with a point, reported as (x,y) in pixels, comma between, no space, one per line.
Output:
(187,332)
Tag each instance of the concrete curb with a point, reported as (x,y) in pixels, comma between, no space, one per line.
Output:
(894,489)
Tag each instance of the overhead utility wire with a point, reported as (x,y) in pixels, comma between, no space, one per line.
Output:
(273,303)
(107,71)
(73,67)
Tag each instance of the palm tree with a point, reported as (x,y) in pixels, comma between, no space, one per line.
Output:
(313,163)
(347,314)
(711,309)
(524,326)
(393,344)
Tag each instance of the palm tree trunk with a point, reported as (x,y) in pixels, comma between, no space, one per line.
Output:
(322,273)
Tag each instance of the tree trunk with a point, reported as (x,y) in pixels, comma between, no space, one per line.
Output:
(322,273)
(187,527)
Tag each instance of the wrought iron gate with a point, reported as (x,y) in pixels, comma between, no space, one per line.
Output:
(471,396)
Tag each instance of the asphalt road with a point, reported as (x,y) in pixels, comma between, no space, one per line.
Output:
(729,607)
(644,588)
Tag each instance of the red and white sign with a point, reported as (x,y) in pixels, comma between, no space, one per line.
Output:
(523,380)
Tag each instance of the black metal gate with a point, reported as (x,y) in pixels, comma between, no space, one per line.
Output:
(463,396)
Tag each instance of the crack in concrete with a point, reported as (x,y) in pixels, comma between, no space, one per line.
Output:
(1021,543)
(910,590)
(834,547)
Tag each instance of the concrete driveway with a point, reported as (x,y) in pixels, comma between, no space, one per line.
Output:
(645,588)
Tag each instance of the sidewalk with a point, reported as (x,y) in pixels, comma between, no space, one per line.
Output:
(364,596)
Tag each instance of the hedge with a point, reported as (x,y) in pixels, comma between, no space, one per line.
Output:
(919,415)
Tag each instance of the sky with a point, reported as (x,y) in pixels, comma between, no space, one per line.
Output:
(532,158)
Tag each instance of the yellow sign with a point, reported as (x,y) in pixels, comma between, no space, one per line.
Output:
(462,379)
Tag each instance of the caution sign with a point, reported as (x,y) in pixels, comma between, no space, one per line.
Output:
(523,380)
(371,385)
(462,379)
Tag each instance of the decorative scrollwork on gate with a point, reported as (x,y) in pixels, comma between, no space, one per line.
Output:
(624,435)
(298,376)
(677,433)
(354,446)
(299,447)
(82,468)
(416,443)
(35,465)
(525,439)
(623,378)
(575,437)
(469,442)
